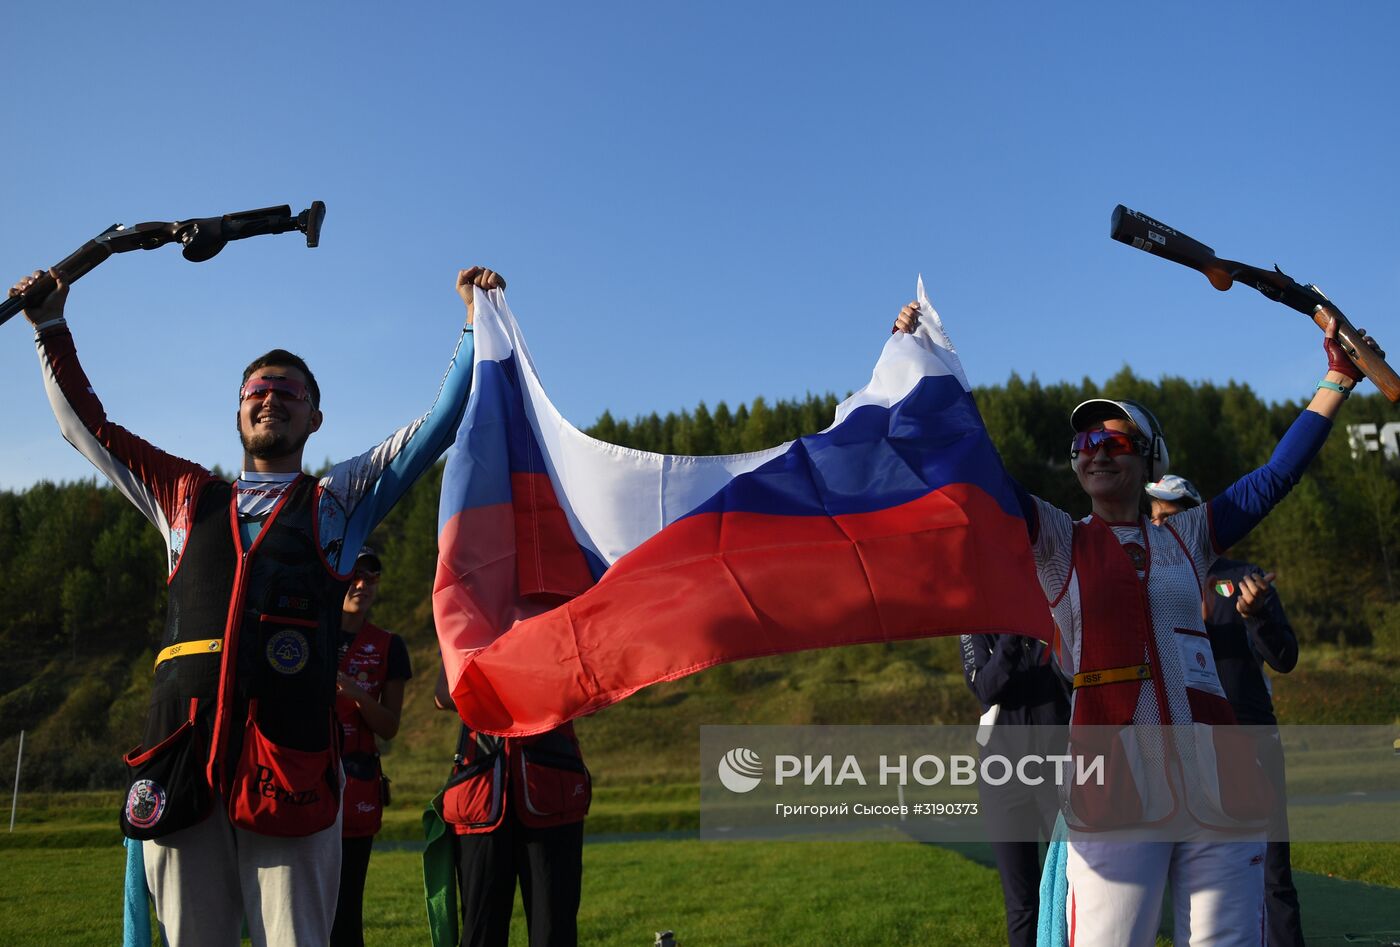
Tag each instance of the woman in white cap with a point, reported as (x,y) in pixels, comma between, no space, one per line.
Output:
(1126,597)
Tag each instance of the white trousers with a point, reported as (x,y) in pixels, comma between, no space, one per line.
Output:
(207,878)
(1115,892)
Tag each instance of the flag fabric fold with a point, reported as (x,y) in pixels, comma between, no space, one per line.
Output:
(572,573)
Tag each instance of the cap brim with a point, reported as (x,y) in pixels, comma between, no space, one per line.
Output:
(1097,411)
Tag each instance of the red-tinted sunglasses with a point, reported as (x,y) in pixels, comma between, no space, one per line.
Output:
(1117,443)
(288,389)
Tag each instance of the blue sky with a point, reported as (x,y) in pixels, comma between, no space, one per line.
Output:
(691,201)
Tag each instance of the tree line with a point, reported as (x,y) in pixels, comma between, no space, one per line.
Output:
(82,595)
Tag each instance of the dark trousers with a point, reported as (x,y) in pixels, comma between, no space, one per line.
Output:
(549,865)
(1018,819)
(349,927)
(1285,926)
(1281,915)
(1019,865)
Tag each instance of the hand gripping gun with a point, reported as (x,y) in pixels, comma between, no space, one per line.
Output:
(1152,236)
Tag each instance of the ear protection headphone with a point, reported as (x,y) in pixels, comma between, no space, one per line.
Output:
(1157,457)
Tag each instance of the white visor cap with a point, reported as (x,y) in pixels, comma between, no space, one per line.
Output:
(1097,410)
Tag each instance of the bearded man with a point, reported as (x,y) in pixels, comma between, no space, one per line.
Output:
(235,788)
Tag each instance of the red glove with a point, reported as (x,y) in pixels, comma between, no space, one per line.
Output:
(1338,362)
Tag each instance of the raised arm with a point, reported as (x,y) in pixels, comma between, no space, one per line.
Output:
(366,487)
(907,321)
(1342,374)
(162,486)
(1248,500)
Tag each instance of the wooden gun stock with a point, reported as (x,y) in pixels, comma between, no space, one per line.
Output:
(1152,236)
(1372,365)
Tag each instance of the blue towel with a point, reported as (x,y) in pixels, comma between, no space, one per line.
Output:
(136,916)
(1052,930)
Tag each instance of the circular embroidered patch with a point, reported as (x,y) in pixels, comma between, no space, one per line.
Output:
(145,804)
(287,651)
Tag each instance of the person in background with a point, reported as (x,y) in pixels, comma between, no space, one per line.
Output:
(1248,629)
(1018,687)
(374,667)
(516,806)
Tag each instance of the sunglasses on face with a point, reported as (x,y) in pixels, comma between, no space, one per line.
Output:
(367,576)
(1116,443)
(287,389)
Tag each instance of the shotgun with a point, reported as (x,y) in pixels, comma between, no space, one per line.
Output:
(201,239)
(1152,236)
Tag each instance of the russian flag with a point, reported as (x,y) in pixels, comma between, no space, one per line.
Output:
(572,573)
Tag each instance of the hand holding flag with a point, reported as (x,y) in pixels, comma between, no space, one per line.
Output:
(898,521)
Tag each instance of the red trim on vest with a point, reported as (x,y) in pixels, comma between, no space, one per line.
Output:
(1115,633)
(1069,575)
(229,661)
(1073,917)
(1115,629)
(1189,558)
(193,501)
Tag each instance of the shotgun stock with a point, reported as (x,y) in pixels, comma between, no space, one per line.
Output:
(201,238)
(1152,236)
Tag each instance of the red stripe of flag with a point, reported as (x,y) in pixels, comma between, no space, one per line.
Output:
(722,587)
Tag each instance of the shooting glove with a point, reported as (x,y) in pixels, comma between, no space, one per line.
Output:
(1337,360)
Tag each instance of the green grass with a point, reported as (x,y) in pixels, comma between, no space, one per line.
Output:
(709,893)
(834,893)
(63,862)
(1373,863)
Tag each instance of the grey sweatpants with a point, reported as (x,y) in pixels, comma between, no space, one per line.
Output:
(206,879)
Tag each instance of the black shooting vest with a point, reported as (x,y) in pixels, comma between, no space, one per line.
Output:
(275,611)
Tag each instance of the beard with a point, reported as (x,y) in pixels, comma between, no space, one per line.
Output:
(272,445)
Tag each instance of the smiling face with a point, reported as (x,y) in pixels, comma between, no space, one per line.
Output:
(1112,481)
(363,590)
(274,424)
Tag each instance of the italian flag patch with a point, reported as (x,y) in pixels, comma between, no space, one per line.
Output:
(1225,588)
